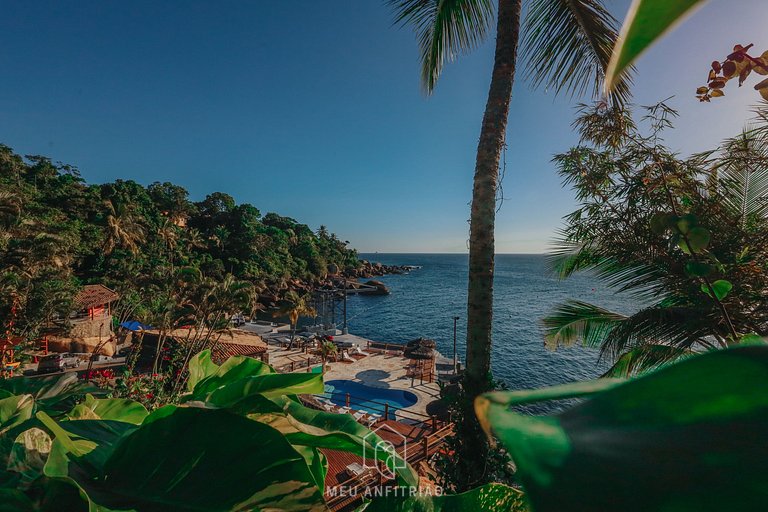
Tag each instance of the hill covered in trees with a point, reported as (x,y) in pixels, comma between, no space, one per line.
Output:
(58,232)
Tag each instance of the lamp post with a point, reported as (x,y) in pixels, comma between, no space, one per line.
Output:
(455,319)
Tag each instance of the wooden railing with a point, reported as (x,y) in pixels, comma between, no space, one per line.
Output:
(355,488)
(386,410)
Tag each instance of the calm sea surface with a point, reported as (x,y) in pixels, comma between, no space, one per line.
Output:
(424,302)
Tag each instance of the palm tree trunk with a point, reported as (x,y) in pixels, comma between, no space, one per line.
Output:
(483,216)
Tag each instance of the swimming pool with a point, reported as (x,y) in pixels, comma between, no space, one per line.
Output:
(368,398)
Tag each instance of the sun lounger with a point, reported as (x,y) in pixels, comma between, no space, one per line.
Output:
(357,350)
(355,469)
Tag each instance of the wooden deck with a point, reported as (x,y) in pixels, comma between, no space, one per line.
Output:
(414,443)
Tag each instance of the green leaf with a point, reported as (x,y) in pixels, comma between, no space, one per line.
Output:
(13,500)
(700,423)
(488,498)
(54,394)
(199,459)
(208,376)
(29,453)
(16,416)
(698,240)
(661,222)
(721,288)
(320,429)
(646,22)
(686,222)
(14,411)
(698,269)
(753,339)
(201,366)
(257,389)
(119,409)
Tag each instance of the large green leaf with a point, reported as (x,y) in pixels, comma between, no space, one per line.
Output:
(14,411)
(119,409)
(192,459)
(689,436)
(201,366)
(16,415)
(54,394)
(319,429)
(14,500)
(260,387)
(206,375)
(646,22)
(29,454)
(488,498)
(721,287)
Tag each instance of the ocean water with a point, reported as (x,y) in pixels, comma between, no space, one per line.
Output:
(424,302)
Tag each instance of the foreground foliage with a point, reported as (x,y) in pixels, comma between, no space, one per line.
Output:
(686,437)
(240,440)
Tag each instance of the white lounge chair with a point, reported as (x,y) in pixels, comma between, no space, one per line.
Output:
(357,350)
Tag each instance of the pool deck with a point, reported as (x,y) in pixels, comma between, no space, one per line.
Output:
(375,370)
(384,371)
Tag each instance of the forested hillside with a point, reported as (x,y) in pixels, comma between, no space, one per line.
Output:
(58,232)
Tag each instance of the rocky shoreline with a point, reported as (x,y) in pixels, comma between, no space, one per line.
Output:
(349,278)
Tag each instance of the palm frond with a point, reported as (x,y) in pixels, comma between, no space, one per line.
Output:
(567,45)
(646,358)
(681,326)
(576,321)
(444,29)
(742,171)
(567,258)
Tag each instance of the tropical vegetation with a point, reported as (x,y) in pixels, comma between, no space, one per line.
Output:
(239,439)
(683,239)
(174,261)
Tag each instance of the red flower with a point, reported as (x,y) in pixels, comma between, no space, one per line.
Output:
(150,396)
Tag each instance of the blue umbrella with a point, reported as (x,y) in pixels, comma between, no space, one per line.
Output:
(133,325)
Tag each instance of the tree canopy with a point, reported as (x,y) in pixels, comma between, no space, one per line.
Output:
(58,232)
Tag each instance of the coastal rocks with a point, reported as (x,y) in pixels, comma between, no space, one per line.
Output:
(379,288)
(368,270)
(270,295)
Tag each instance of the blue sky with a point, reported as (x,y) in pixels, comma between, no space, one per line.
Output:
(314,110)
